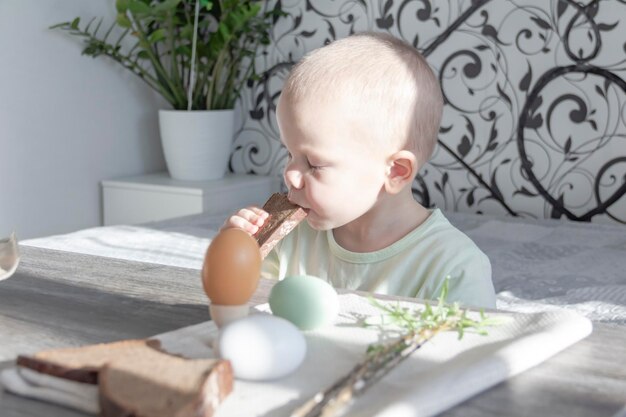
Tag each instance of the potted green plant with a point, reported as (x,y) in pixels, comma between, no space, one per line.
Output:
(198,55)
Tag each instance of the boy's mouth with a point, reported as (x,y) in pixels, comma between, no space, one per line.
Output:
(306,209)
(293,201)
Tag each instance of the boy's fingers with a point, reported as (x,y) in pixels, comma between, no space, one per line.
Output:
(249,219)
(254,215)
(259,211)
(241,223)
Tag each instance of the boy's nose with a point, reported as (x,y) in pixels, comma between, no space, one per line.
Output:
(293,178)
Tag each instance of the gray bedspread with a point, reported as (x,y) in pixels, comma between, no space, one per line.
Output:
(537,264)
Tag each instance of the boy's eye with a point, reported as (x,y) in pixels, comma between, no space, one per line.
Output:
(314,167)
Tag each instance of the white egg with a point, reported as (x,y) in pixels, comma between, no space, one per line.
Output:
(261,347)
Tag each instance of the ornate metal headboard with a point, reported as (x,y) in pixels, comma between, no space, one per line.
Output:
(534,123)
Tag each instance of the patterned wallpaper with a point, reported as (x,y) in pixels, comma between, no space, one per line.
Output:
(534,122)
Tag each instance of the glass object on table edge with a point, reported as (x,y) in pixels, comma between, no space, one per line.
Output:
(9,256)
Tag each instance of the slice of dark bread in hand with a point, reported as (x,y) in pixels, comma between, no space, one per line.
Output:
(284,217)
(82,364)
(161,385)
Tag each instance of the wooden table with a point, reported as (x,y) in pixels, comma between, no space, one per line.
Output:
(65,299)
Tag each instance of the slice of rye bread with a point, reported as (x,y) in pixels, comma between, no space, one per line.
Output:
(161,385)
(82,364)
(284,217)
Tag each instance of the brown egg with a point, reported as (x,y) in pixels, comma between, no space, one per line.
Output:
(232,267)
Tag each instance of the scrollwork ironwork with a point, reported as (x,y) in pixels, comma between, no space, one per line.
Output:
(534,121)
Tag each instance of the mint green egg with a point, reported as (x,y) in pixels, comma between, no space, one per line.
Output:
(306,301)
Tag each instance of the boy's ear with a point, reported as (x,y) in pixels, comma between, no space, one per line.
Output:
(401,170)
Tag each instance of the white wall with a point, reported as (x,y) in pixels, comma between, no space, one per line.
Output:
(66,121)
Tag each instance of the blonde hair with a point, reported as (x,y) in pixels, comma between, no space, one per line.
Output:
(390,83)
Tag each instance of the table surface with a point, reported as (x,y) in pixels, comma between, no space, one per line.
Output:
(59,299)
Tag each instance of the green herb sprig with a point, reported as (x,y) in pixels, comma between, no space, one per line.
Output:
(416,328)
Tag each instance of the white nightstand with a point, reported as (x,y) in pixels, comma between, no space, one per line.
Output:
(156,197)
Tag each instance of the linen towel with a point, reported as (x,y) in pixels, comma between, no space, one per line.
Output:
(443,373)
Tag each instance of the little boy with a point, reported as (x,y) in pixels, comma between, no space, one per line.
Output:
(359,117)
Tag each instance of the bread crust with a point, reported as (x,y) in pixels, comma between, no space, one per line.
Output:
(86,375)
(217,384)
(50,362)
(284,217)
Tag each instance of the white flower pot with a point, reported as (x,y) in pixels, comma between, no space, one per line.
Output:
(197,143)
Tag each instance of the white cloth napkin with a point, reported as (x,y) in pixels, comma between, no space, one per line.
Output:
(443,373)
(32,384)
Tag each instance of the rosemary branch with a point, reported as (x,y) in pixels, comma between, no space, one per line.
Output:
(419,327)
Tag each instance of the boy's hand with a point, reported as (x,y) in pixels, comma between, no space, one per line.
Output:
(249,219)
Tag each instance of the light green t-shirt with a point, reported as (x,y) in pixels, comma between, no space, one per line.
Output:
(414,266)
